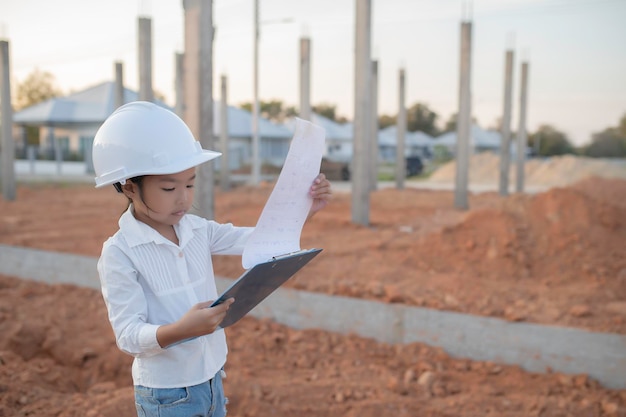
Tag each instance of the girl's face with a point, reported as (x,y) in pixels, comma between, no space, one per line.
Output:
(163,199)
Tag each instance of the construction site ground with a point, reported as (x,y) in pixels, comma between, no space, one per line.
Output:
(555,258)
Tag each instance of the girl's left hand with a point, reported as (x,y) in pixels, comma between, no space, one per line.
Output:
(321,193)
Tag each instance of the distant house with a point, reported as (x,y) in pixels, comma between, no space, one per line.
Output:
(340,148)
(274,138)
(415,144)
(481,140)
(68,125)
(338,137)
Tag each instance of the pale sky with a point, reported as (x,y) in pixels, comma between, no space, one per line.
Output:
(576,50)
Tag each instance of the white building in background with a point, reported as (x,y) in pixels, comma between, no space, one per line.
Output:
(338,137)
(481,140)
(415,144)
(274,138)
(67,126)
(339,143)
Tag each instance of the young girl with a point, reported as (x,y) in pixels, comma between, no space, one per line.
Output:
(156,271)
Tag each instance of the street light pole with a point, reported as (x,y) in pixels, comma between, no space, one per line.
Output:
(256,153)
(256,156)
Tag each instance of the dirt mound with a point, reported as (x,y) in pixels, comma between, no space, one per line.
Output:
(551,172)
(56,343)
(560,232)
(586,234)
(612,191)
(558,257)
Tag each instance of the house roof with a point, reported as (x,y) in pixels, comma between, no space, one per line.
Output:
(92,105)
(388,136)
(240,124)
(478,137)
(334,131)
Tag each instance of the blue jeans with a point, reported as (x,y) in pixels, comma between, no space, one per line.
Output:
(203,400)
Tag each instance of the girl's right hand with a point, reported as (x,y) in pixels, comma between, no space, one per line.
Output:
(203,319)
(200,320)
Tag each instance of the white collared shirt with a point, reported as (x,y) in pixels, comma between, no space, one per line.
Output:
(148,281)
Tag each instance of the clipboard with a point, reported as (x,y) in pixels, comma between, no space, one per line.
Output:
(258,282)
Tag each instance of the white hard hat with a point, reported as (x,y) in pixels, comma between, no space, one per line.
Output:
(141,138)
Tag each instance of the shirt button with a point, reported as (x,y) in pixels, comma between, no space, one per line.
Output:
(180,254)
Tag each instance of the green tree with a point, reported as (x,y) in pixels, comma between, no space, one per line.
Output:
(329,111)
(450,125)
(273,110)
(621,127)
(268,109)
(386,121)
(246,106)
(550,141)
(291,111)
(611,142)
(419,117)
(606,144)
(38,86)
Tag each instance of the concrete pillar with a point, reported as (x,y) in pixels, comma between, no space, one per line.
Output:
(401,131)
(362,112)
(521,130)
(7,156)
(23,138)
(505,146)
(224,159)
(179,84)
(89,168)
(145,59)
(305,79)
(198,93)
(191,86)
(373,154)
(31,154)
(256,152)
(58,152)
(119,85)
(464,119)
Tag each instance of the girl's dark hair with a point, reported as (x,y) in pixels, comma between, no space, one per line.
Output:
(137,180)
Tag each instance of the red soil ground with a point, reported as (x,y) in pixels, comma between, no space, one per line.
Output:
(556,258)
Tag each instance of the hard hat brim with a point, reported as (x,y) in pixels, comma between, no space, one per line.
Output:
(110,178)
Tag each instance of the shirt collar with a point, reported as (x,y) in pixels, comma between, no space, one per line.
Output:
(138,233)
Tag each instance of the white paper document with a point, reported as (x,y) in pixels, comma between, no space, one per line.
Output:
(279,227)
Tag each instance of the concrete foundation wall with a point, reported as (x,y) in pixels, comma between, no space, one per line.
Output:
(530,346)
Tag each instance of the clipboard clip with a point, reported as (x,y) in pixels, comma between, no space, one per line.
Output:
(290,254)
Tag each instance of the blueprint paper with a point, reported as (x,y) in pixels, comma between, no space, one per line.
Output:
(279,227)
